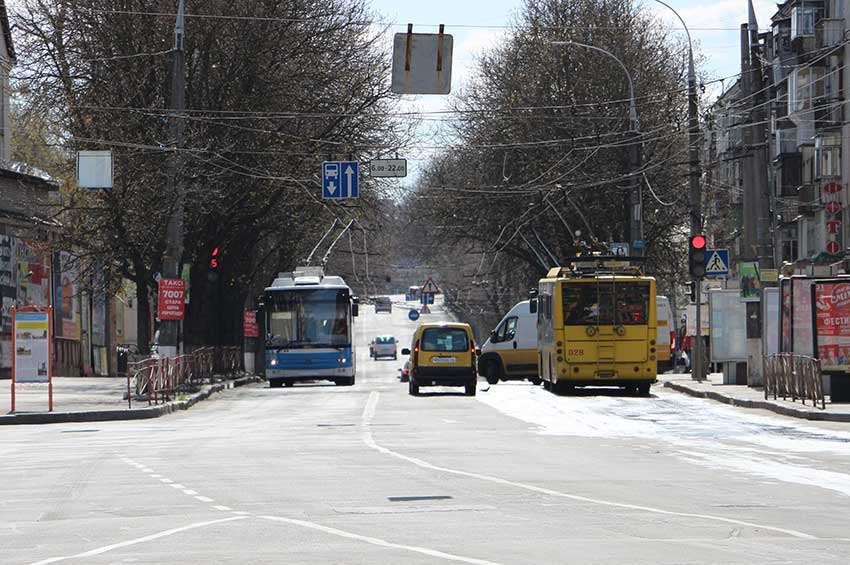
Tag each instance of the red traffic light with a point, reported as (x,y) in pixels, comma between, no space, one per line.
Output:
(698,242)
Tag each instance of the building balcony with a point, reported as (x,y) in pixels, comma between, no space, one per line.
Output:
(785,142)
(829,32)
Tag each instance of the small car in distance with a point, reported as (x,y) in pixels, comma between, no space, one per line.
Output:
(405,372)
(443,354)
(383,304)
(384,346)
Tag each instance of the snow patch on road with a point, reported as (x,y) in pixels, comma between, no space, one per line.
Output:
(698,431)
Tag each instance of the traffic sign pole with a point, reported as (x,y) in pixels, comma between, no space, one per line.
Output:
(696,362)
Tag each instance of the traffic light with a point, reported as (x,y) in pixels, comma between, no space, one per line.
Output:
(696,256)
(214,260)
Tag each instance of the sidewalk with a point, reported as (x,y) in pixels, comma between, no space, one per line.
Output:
(93,399)
(747,397)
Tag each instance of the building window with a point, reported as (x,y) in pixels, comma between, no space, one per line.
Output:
(828,156)
(789,250)
(803,21)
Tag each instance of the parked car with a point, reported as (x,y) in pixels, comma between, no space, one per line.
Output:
(383,304)
(405,372)
(443,355)
(384,346)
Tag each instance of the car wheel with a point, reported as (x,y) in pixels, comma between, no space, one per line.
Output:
(404,379)
(470,389)
(535,381)
(412,387)
(276,383)
(492,371)
(643,389)
(288,383)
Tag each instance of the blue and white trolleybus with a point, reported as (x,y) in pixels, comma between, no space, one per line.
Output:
(309,321)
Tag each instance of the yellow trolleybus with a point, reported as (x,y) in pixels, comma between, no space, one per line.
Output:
(596,326)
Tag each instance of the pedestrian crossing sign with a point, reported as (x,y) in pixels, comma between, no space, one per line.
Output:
(717,263)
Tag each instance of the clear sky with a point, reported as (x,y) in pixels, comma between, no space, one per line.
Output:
(477,24)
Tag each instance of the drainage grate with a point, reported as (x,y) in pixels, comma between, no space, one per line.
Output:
(413,498)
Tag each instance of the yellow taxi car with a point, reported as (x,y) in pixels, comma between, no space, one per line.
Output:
(443,354)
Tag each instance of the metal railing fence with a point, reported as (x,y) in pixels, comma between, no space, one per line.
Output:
(797,376)
(159,379)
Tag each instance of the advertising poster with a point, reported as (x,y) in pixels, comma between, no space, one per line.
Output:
(801,316)
(172,303)
(249,324)
(832,323)
(729,324)
(32,347)
(750,280)
(67,297)
(785,343)
(8,282)
(33,275)
(770,315)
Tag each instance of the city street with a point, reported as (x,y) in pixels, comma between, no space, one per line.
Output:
(368,474)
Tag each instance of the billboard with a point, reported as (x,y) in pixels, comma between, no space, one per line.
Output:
(68,296)
(832,324)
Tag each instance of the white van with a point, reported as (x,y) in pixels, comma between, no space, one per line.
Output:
(666,333)
(510,353)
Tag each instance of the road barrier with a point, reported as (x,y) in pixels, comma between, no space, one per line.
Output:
(797,376)
(159,379)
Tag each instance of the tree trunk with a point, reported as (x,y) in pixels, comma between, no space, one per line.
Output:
(143,324)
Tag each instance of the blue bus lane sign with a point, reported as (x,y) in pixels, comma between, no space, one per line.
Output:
(340,180)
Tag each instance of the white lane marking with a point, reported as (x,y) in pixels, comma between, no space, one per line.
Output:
(176,485)
(379,542)
(222,508)
(166,481)
(371,406)
(155,476)
(190,492)
(241,512)
(158,535)
(203,498)
(145,470)
(370,441)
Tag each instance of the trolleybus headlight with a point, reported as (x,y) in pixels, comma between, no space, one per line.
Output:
(273,362)
(342,360)
(591,331)
(560,359)
(621,331)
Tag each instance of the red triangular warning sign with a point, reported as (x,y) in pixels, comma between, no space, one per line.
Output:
(430,287)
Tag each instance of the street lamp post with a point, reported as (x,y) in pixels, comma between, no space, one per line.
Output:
(694,191)
(635,218)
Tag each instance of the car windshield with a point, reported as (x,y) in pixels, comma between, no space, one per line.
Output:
(445,339)
(606,303)
(308,318)
(384,340)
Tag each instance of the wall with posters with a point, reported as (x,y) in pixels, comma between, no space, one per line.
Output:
(67,299)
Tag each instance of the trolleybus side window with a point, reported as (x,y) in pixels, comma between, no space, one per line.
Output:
(606,303)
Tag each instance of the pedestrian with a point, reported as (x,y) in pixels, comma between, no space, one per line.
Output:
(686,352)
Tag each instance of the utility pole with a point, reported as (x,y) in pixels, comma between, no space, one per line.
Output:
(170,329)
(757,243)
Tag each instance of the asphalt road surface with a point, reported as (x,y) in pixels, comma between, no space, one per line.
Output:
(368,474)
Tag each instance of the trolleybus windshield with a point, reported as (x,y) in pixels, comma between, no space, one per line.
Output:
(606,303)
(308,318)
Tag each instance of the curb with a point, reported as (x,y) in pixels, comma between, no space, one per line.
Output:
(759,404)
(125,414)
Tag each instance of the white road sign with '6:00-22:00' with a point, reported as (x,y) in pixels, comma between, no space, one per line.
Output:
(388,167)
